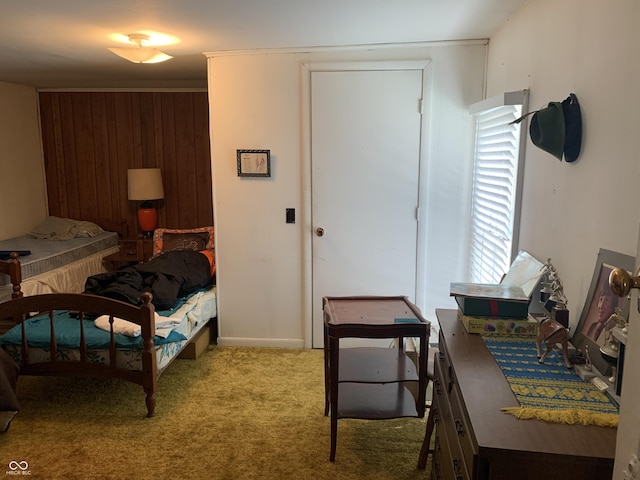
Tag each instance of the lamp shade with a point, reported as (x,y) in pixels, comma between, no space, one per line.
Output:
(145,184)
(142,52)
(141,55)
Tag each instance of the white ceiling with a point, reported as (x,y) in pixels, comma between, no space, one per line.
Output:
(63,43)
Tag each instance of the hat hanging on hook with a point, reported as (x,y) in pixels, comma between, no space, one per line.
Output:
(573,128)
(557,128)
(547,129)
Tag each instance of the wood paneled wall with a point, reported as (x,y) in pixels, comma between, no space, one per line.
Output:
(90,139)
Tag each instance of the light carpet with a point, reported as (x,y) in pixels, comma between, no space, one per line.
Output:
(235,413)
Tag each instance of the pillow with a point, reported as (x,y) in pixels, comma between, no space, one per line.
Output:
(87,229)
(56,228)
(197,239)
(185,241)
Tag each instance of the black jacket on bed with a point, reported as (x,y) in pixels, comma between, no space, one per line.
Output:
(168,277)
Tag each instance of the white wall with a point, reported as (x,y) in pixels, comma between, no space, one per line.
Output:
(570,211)
(254,102)
(23,199)
(258,101)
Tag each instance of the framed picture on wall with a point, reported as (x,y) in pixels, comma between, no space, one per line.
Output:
(595,320)
(254,163)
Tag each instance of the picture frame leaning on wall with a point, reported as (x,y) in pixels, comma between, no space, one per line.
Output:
(600,303)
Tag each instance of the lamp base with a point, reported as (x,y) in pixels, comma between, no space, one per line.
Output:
(148,219)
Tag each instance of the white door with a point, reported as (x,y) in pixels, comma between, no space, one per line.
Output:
(628,435)
(365,155)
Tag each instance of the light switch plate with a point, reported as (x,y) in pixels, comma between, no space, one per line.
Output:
(291,215)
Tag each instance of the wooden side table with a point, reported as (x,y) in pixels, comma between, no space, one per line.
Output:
(373,383)
(132,251)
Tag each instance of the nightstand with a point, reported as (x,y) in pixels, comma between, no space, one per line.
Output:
(132,251)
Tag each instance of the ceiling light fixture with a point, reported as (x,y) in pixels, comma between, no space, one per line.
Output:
(141,53)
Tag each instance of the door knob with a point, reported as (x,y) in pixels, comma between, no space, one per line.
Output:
(320,232)
(621,282)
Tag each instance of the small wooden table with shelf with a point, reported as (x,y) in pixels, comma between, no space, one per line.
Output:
(373,383)
(132,251)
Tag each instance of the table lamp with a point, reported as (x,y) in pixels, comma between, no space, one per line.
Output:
(145,184)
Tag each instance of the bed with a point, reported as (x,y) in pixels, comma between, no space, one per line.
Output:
(85,334)
(63,253)
(12,271)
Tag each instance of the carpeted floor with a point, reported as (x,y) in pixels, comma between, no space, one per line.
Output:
(235,413)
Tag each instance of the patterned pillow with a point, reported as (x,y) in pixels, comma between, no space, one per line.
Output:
(197,239)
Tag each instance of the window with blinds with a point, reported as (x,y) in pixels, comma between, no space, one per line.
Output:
(495,194)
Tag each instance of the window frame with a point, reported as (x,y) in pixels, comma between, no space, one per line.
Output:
(501,105)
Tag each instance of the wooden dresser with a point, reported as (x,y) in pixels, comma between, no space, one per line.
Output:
(476,440)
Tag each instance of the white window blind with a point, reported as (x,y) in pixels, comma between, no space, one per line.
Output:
(495,197)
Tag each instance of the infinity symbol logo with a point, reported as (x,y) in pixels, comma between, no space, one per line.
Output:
(13,465)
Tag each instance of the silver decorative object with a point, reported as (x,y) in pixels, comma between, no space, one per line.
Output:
(552,294)
(587,360)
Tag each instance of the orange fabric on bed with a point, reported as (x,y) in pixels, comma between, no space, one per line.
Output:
(211,256)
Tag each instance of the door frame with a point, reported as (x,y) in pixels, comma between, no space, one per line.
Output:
(306,69)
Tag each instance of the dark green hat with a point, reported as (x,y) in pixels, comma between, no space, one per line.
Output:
(547,129)
(557,129)
(573,128)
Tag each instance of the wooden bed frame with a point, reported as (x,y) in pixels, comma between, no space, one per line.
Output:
(21,308)
(12,268)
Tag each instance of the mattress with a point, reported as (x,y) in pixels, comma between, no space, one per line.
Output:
(68,279)
(194,312)
(48,255)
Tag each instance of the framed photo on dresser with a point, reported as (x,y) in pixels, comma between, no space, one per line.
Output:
(595,322)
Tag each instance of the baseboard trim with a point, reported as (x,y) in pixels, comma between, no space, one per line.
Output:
(261,342)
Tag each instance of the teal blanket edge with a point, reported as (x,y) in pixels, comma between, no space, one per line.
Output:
(67,331)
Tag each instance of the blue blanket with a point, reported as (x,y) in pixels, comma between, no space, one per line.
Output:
(67,330)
